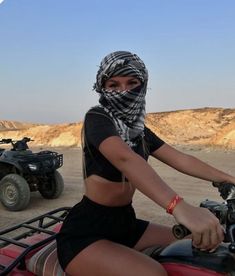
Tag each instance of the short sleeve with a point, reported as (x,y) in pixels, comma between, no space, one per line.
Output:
(98,126)
(152,140)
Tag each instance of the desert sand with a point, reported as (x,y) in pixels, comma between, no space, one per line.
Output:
(192,189)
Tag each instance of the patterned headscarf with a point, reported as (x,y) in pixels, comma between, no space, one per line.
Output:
(127,108)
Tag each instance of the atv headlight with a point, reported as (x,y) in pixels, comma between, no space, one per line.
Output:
(33,167)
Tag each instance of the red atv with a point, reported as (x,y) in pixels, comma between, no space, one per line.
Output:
(29,248)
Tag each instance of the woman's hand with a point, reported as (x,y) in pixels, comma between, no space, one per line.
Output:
(207,232)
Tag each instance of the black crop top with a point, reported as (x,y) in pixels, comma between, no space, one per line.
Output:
(98,126)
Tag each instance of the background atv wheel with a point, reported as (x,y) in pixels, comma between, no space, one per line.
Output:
(14,192)
(53,188)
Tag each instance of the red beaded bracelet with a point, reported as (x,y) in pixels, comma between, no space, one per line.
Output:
(174,201)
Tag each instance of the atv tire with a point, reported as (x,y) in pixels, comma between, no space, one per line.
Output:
(54,188)
(14,192)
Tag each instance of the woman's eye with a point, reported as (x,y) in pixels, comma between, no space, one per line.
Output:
(134,84)
(112,86)
(134,81)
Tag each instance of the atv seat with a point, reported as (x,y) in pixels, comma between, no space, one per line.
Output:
(14,251)
(45,262)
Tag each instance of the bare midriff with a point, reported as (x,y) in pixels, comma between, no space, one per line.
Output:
(108,193)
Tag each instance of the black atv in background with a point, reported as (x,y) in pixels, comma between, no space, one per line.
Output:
(22,172)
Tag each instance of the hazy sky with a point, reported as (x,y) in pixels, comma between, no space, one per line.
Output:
(50,51)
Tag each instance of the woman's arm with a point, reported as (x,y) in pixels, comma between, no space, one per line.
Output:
(206,230)
(136,170)
(190,165)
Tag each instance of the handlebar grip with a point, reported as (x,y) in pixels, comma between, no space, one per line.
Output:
(226,189)
(180,231)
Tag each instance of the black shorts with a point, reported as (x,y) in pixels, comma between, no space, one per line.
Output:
(88,222)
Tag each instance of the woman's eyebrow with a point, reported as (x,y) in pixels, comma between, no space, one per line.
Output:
(112,80)
(135,79)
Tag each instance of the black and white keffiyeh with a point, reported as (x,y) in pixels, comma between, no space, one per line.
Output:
(127,108)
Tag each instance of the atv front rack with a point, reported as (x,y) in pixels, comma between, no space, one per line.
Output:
(45,161)
(42,226)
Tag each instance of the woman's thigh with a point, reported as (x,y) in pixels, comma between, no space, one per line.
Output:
(106,258)
(155,234)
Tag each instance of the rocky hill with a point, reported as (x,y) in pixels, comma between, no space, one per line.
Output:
(203,127)
(213,127)
(12,125)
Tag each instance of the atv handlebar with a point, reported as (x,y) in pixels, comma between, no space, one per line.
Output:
(9,140)
(17,144)
(5,141)
(225,212)
(180,231)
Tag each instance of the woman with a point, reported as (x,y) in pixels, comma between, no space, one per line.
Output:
(101,235)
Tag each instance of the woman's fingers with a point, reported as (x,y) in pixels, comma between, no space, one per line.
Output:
(220,232)
(208,239)
(201,240)
(216,236)
(197,239)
